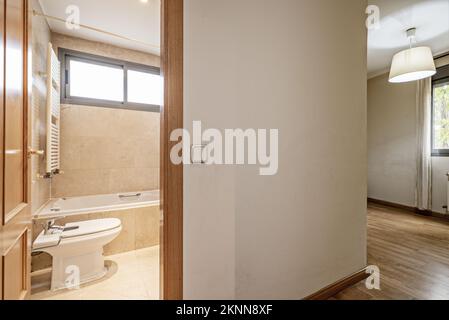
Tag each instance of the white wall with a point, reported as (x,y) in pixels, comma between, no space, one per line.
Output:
(392,141)
(392,147)
(295,65)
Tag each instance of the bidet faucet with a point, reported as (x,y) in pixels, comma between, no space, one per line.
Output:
(49,226)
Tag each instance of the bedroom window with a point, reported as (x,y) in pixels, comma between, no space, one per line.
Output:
(98,81)
(440,112)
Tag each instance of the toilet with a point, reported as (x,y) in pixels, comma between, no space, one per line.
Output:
(77,251)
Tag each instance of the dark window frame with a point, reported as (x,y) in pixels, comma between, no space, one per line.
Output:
(66,55)
(442,76)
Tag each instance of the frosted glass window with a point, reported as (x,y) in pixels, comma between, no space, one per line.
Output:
(94,81)
(97,81)
(145,88)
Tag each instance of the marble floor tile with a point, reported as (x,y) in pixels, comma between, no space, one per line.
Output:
(132,276)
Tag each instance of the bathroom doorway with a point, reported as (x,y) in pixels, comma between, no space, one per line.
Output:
(74,119)
(97,97)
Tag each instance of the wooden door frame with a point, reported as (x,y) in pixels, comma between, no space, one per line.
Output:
(172,55)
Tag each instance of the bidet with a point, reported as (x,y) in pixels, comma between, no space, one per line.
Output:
(77,251)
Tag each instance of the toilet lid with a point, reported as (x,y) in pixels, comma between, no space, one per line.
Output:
(90,227)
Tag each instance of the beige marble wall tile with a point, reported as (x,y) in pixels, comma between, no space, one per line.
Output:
(127,238)
(70,120)
(147,227)
(106,50)
(107,151)
(71,151)
(83,182)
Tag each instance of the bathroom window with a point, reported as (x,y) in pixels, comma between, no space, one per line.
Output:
(97,81)
(144,87)
(440,113)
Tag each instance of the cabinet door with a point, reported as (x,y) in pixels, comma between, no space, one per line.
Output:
(15,246)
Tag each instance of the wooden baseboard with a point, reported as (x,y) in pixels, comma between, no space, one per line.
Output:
(426,213)
(391,204)
(337,287)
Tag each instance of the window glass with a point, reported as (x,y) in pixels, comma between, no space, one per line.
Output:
(441,116)
(94,81)
(144,88)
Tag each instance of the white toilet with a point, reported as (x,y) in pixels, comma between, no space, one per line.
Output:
(77,250)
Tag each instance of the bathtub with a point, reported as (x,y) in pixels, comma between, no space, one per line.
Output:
(66,207)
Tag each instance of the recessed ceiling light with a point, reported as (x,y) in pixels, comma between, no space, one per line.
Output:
(144,1)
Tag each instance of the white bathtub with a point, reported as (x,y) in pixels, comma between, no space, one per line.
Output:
(66,207)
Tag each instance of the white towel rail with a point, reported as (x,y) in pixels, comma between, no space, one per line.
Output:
(53,111)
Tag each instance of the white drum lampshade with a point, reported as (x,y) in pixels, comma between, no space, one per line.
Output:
(412,64)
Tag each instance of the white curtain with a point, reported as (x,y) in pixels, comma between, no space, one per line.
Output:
(424,156)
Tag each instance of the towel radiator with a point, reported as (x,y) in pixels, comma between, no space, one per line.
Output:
(53,111)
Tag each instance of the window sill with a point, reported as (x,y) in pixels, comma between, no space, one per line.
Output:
(108,104)
(440,155)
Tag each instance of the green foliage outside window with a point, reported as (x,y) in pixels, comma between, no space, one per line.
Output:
(441,116)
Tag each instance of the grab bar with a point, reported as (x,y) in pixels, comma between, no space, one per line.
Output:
(123,196)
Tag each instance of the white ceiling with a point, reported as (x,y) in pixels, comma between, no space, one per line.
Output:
(129,18)
(430,17)
(141,21)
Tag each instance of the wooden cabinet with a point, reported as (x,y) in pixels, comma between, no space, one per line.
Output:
(15,218)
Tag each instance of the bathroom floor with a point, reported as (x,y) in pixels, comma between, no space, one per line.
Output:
(132,276)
